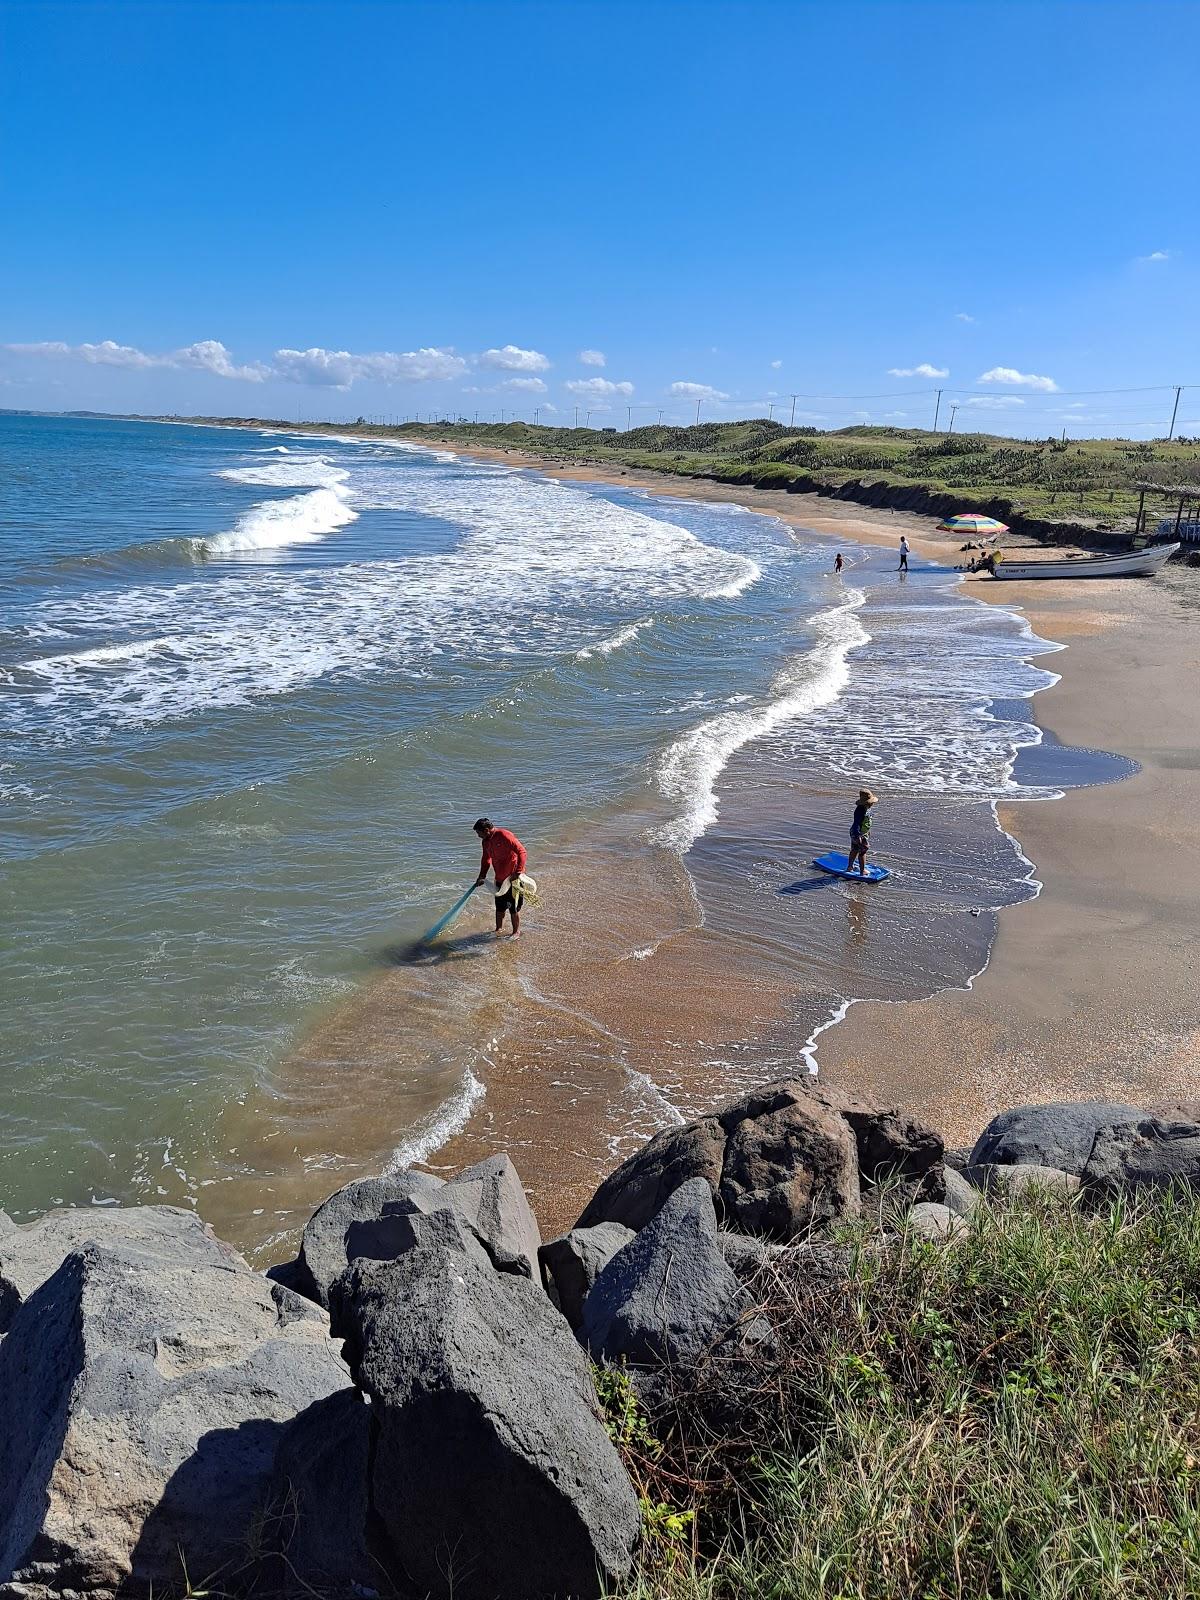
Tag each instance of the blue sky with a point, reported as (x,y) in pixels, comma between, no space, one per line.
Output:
(338,209)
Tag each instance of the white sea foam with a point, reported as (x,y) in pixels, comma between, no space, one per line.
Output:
(690,768)
(302,519)
(623,636)
(545,556)
(433,1131)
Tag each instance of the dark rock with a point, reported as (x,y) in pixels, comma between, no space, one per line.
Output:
(780,1161)
(891,1144)
(31,1254)
(961,1196)
(1057,1135)
(361,1222)
(373,1219)
(144,1397)
(747,1256)
(1000,1180)
(572,1263)
(790,1165)
(1152,1152)
(669,1294)
(291,1275)
(934,1223)
(642,1184)
(493,1475)
(320,1512)
(958,1158)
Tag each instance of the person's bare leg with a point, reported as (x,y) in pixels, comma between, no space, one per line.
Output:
(499,921)
(516,922)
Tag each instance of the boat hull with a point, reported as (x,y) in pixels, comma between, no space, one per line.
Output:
(1132,564)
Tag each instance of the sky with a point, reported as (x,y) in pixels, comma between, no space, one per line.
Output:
(459,208)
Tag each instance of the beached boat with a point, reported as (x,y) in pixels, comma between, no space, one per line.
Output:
(1130,564)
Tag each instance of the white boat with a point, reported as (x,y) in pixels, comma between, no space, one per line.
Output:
(1131,564)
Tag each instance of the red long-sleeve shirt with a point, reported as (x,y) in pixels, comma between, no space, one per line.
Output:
(504,853)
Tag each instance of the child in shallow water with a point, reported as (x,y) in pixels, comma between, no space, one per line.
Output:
(860,831)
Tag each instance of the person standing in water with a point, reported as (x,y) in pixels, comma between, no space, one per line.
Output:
(839,563)
(860,832)
(903,567)
(504,853)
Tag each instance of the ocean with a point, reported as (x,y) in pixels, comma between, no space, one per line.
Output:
(255,687)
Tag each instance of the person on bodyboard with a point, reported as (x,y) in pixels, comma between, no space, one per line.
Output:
(504,853)
(860,832)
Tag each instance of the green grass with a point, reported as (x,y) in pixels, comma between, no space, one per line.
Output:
(1087,482)
(1016,1414)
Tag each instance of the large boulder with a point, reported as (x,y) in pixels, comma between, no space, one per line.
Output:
(319,1522)
(145,1388)
(1008,1181)
(493,1474)
(1060,1134)
(1150,1153)
(782,1160)
(372,1220)
(33,1252)
(670,1293)
(571,1264)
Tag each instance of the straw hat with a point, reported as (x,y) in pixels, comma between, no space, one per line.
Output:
(868,798)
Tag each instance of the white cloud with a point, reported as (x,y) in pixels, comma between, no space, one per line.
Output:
(963,316)
(895,414)
(549,406)
(697,391)
(1018,380)
(995,402)
(592,358)
(511,358)
(338,369)
(593,388)
(924,370)
(776,365)
(525,385)
(1156,255)
(210,355)
(207,355)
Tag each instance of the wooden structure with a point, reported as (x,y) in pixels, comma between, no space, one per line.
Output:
(1185,493)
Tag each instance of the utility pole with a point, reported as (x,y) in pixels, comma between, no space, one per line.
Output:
(660,416)
(1174,411)
(628,418)
(537,411)
(771,412)
(697,413)
(576,416)
(792,423)
(937,408)
(953,409)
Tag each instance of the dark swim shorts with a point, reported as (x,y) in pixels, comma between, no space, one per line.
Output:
(509,902)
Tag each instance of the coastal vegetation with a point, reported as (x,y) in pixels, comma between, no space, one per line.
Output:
(1017,1414)
(1047,487)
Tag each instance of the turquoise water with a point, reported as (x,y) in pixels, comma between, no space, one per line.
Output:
(254,689)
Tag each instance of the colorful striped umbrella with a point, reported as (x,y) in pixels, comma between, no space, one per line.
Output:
(972,522)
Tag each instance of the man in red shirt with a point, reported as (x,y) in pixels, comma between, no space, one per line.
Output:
(505,854)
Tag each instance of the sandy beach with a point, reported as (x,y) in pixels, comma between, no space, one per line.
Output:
(1092,988)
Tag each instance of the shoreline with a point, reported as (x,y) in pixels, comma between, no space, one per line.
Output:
(1091,979)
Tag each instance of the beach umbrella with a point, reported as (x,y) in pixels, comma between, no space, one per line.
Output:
(971,522)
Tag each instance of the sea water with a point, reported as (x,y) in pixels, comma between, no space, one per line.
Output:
(255,688)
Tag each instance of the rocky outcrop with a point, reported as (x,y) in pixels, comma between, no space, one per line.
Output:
(1060,1134)
(320,1524)
(1020,1178)
(493,1475)
(375,1219)
(781,1161)
(1152,1152)
(34,1252)
(146,1385)
(670,1293)
(571,1264)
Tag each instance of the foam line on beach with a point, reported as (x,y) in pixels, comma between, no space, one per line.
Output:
(440,1126)
(689,770)
(606,647)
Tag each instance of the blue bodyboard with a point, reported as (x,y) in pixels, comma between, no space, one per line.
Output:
(838,865)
